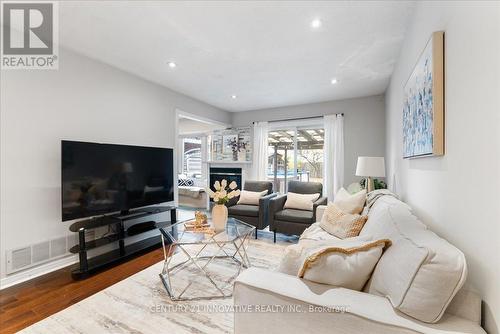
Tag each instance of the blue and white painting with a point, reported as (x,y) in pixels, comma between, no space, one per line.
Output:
(418,108)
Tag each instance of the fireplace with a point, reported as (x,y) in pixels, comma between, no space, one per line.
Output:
(223,173)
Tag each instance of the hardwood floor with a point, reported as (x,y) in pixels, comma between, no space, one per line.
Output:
(24,304)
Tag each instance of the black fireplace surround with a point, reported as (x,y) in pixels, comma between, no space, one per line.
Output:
(223,173)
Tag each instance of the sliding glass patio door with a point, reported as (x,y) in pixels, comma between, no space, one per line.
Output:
(295,153)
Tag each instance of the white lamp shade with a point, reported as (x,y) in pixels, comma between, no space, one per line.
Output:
(370,166)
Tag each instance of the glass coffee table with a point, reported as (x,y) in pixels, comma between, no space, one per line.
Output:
(202,265)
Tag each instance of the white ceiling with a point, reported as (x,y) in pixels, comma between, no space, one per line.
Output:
(266,53)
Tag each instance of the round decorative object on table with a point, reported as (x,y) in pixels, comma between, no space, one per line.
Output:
(219,217)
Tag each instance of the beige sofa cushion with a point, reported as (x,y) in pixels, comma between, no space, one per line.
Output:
(315,232)
(341,224)
(421,272)
(350,203)
(344,263)
(340,262)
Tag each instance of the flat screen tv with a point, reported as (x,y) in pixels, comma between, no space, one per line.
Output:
(105,178)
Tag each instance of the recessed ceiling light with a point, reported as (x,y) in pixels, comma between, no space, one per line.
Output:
(233,97)
(171,64)
(334,81)
(316,23)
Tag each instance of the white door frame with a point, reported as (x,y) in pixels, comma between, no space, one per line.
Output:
(183,114)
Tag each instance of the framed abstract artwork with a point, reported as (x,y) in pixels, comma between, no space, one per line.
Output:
(423,105)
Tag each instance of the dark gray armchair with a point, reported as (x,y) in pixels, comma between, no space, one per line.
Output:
(256,215)
(292,221)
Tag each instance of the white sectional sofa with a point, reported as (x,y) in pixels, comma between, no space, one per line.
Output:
(194,197)
(415,287)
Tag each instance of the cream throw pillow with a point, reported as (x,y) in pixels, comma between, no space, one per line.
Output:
(350,203)
(345,263)
(251,197)
(340,224)
(293,257)
(300,201)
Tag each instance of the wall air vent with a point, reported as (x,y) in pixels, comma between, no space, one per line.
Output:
(36,254)
(57,247)
(40,252)
(19,258)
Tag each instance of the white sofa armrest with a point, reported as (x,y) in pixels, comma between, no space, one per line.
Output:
(320,210)
(282,303)
(466,304)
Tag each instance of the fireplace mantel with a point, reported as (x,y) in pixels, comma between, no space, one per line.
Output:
(228,162)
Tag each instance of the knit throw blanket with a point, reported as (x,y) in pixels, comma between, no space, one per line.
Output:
(373,196)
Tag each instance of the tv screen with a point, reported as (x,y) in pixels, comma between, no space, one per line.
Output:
(104,178)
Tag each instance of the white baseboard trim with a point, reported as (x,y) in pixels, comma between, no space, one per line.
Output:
(31,273)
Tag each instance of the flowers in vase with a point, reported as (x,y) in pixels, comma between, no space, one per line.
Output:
(223,192)
(237,145)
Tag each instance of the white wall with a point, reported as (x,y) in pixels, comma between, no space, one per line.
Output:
(83,100)
(457,194)
(188,126)
(364,125)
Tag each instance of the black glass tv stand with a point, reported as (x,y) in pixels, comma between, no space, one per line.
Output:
(88,266)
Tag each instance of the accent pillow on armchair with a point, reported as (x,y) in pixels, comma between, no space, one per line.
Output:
(300,201)
(251,197)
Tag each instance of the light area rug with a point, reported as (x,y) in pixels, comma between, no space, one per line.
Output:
(140,304)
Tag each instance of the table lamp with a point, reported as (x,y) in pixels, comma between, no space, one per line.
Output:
(370,167)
